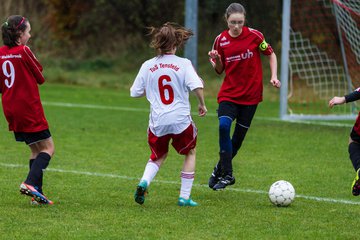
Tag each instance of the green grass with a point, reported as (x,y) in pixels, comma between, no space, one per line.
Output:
(101,154)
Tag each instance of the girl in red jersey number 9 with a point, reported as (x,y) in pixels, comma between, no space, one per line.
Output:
(237,52)
(166,80)
(20,73)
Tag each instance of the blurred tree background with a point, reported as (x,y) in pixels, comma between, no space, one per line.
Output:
(99,34)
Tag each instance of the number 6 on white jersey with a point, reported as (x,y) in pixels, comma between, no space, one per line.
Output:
(165,88)
(7,74)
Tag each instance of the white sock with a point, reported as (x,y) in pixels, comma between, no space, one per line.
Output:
(187,179)
(150,172)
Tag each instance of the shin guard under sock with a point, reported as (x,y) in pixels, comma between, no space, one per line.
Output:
(224,134)
(237,138)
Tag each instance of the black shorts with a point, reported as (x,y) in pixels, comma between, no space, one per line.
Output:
(242,113)
(354,136)
(31,138)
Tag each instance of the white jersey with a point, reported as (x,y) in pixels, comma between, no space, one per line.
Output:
(166,81)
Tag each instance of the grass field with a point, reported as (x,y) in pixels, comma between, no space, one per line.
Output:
(101,151)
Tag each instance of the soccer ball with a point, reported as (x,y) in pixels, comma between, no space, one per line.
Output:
(281,193)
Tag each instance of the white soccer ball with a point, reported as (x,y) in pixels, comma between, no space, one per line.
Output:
(281,193)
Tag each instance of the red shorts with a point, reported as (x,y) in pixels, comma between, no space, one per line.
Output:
(182,142)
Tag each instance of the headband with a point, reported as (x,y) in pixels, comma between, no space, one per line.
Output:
(22,21)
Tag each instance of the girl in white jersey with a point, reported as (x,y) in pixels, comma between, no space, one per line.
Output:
(165,80)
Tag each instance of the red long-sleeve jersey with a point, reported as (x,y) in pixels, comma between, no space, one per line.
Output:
(20,74)
(242,63)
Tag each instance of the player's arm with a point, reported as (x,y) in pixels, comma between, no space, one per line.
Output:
(137,90)
(196,85)
(138,96)
(35,66)
(199,93)
(273,69)
(138,87)
(351,97)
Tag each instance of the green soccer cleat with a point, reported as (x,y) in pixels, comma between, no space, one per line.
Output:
(140,192)
(355,187)
(182,202)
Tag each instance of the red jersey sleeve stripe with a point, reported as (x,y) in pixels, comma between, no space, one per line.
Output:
(257,33)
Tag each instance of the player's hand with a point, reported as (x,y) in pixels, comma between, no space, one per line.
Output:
(275,82)
(336,101)
(202,110)
(213,54)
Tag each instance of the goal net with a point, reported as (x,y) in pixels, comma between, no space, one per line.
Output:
(320,57)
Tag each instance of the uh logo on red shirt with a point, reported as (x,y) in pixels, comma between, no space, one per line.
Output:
(239,56)
(242,56)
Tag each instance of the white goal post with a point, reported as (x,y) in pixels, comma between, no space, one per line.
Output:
(320,58)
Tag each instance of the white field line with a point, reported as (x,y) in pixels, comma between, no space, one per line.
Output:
(106,175)
(130,109)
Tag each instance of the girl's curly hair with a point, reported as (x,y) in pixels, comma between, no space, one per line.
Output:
(168,36)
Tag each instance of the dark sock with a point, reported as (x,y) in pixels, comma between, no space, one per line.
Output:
(354,154)
(226,163)
(35,175)
(31,161)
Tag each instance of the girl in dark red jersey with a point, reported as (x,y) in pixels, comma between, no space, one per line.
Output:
(354,139)
(237,52)
(20,73)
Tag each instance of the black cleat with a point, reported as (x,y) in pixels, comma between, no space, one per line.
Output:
(215,177)
(224,182)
